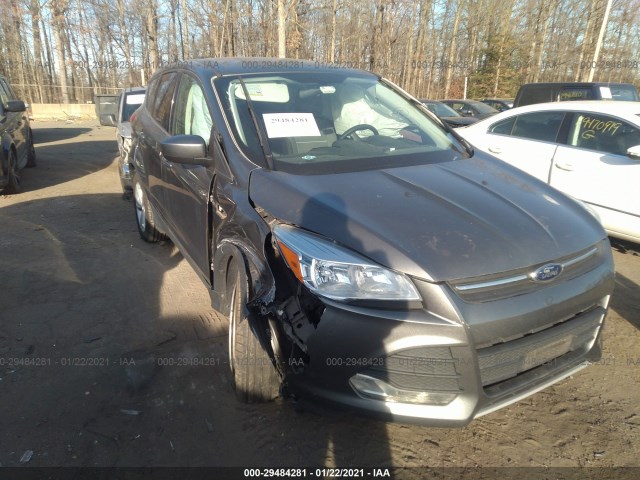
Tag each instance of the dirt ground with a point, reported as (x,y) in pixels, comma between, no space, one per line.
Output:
(110,355)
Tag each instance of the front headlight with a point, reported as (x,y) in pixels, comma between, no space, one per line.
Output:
(335,272)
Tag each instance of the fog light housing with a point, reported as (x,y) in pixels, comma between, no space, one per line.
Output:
(371,387)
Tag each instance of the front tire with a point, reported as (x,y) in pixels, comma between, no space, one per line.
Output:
(13,179)
(254,375)
(144,215)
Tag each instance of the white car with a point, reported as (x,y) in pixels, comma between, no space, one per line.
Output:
(589,150)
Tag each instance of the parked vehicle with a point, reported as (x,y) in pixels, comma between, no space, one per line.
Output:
(128,102)
(365,255)
(471,108)
(447,114)
(589,150)
(500,104)
(531,93)
(18,150)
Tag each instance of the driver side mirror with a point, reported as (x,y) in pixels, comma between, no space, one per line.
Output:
(15,106)
(186,150)
(633,153)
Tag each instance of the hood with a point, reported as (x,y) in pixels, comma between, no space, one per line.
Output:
(459,121)
(439,222)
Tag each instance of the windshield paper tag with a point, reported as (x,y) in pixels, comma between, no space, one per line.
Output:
(605,92)
(135,99)
(290,125)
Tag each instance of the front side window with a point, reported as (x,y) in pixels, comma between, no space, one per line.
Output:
(541,126)
(319,122)
(602,133)
(191,115)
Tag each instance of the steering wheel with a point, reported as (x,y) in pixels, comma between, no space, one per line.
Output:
(356,128)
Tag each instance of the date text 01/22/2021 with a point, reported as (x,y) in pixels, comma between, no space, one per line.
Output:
(317,472)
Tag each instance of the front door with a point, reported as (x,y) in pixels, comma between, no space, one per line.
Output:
(188,186)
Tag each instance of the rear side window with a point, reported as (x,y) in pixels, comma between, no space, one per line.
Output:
(161,98)
(504,127)
(602,133)
(541,126)
(4,95)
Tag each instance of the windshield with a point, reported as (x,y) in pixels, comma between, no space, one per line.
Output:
(320,122)
(131,103)
(442,109)
(482,107)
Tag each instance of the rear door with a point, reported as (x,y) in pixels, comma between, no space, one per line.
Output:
(188,186)
(593,166)
(526,141)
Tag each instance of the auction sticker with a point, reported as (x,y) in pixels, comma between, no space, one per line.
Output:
(290,125)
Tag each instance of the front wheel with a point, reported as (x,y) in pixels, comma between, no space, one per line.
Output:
(254,375)
(13,179)
(144,215)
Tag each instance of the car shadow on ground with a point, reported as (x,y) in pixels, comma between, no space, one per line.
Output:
(623,301)
(122,362)
(46,132)
(57,163)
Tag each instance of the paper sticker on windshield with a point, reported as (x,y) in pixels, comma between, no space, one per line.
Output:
(135,99)
(290,125)
(605,93)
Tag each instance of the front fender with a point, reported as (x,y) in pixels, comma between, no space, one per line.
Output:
(261,282)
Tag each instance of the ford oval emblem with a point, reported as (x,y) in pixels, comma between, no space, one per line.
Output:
(546,273)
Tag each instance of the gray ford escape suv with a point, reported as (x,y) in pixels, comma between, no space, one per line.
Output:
(364,253)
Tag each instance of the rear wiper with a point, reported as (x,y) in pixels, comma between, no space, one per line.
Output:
(262,134)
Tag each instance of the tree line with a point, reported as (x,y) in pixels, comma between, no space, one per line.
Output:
(69,50)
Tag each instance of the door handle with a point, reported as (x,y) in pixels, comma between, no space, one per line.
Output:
(568,166)
(495,149)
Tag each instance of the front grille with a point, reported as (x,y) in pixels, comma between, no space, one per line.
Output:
(509,284)
(419,369)
(506,360)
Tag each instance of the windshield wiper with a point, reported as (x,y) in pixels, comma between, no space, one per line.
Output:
(260,129)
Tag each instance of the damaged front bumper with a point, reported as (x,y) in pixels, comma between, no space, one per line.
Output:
(430,367)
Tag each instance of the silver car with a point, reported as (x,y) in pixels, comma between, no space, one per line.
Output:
(129,101)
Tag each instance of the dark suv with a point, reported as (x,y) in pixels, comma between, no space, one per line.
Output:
(17,139)
(531,93)
(363,252)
